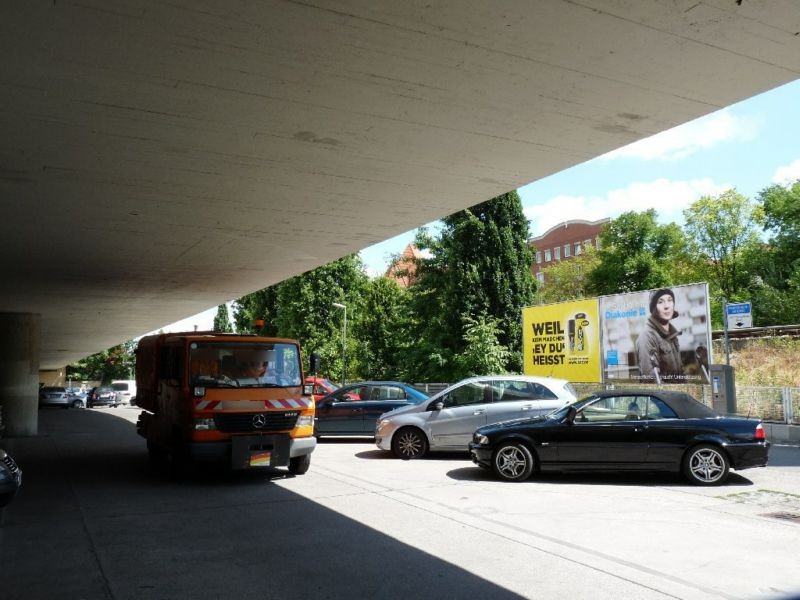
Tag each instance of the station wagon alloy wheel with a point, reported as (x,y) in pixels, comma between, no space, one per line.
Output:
(706,465)
(409,443)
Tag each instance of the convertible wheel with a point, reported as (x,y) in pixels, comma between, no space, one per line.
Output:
(706,465)
(409,443)
(513,461)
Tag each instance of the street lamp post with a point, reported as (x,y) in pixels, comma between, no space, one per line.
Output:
(344,339)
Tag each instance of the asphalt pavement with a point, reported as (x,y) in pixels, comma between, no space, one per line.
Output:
(94,521)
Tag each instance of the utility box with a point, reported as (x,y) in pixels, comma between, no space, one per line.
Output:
(723,389)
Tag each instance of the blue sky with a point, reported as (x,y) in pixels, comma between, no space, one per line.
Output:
(748,146)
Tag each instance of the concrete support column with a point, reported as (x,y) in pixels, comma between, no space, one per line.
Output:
(19,373)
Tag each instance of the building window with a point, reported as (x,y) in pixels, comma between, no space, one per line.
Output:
(597,242)
(557,252)
(540,277)
(567,249)
(577,248)
(587,243)
(547,257)
(538,257)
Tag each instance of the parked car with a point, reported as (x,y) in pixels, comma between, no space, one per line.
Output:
(322,387)
(625,430)
(10,478)
(354,409)
(54,396)
(76,397)
(126,391)
(447,420)
(101,396)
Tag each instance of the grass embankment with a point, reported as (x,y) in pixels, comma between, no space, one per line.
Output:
(764,361)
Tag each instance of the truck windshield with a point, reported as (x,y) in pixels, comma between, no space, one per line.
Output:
(244,364)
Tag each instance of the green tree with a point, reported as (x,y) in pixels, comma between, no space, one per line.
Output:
(636,254)
(302,308)
(479,265)
(260,305)
(722,231)
(118,362)
(775,287)
(382,330)
(222,322)
(568,279)
(482,352)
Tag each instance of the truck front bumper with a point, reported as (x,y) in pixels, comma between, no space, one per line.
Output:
(248,451)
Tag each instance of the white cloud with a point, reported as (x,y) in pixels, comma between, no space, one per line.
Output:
(686,139)
(788,174)
(667,197)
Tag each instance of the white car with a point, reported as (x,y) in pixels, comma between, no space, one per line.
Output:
(447,420)
(124,391)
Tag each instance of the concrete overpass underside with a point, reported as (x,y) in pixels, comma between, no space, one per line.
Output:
(161,158)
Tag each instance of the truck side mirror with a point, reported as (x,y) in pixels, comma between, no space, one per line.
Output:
(316,362)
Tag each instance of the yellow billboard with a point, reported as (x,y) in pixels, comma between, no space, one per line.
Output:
(562,340)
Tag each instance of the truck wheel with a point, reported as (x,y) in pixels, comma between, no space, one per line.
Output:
(155,454)
(179,460)
(299,464)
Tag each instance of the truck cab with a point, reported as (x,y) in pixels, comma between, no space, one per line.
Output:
(224,398)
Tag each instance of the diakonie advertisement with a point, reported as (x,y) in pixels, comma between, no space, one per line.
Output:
(657,336)
(654,336)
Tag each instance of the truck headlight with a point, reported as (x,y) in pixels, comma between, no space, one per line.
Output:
(481,439)
(305,421)
(204,424)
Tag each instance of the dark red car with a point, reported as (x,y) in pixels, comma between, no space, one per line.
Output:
(322,387)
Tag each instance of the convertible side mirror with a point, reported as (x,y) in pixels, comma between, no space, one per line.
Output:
(570,418)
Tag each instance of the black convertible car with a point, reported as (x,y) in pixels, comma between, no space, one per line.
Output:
(626,430)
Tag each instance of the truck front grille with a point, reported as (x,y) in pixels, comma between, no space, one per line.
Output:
(260,421)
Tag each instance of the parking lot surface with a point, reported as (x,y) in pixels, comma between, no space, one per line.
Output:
(93,520)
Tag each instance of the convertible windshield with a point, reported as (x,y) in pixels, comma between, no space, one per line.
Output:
(560,413)
(238,364)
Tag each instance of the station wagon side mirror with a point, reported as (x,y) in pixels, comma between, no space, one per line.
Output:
(570,418)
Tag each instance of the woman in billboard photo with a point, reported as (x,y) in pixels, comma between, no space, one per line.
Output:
(657,348)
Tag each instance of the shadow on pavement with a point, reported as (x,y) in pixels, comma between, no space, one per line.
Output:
(656,479)
(93,521)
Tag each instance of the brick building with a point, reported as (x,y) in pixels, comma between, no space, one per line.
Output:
(404,268)
(563,242)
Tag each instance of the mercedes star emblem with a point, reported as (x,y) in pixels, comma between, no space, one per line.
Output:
(259,421)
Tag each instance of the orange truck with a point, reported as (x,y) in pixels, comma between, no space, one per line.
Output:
(224,398)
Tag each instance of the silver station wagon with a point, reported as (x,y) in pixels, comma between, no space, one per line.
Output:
(447,420)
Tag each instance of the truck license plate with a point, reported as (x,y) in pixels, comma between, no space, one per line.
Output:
(260,459)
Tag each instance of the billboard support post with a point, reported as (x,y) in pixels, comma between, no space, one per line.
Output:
(725,329)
